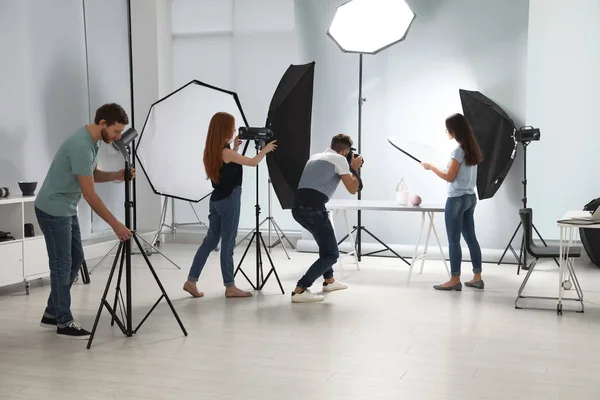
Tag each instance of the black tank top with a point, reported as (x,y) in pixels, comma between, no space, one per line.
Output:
(230,177)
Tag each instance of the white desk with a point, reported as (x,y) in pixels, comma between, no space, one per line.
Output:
(426,210)
(568,235)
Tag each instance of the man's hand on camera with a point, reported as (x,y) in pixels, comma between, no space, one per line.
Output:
(356,163)
(122,232)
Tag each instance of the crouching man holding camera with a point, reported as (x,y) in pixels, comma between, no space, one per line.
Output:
(319,181)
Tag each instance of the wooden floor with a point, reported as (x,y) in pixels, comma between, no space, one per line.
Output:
(380,339)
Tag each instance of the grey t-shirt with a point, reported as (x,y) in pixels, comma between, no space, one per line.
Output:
(466,178)
(323,172)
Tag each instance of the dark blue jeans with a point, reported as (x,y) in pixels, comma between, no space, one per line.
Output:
(65,255)
(317,222)
(223,217)
(459,219)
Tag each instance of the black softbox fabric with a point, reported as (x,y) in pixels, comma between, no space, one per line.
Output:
(494,130)
(289,117)
(590,238)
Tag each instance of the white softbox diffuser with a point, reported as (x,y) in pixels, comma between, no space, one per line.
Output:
(171,147)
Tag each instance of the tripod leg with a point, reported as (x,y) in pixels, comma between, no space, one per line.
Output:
(104,258)
(250,233)
(259,260)
(85,275)
(276,229)
(242,260)
(118,291)
(283,236)
(510,242)
(162,289)
(159,252)
(385,245)
(103,301)
(272,270)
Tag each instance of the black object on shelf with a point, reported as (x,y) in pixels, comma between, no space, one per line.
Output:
(6,236)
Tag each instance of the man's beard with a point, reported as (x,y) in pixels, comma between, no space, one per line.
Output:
(105,137)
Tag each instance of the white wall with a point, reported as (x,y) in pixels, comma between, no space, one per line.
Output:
(410,89)
(108,72)
(60,62)
(563,100)
(244,46)
(43,81)
(151,31)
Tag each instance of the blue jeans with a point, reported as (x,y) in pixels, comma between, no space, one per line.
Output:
(459,219)
(65,255)
(223,220)
(317,222)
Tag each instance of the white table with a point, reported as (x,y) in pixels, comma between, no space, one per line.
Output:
(568,235)
(426,210)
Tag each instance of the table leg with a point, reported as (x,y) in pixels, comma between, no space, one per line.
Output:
(561,272)
(437,239)
(426,242)
(414,257)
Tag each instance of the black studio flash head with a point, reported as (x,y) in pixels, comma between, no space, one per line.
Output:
(527,134)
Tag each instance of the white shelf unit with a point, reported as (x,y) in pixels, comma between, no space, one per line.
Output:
(23,259)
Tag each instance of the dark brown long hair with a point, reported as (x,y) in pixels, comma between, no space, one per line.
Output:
(220,129)
(459,127)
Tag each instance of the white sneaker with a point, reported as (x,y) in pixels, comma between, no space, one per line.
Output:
(306,297)
(335,285)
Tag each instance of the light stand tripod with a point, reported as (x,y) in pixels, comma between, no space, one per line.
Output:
(359,228)
(272,225)
(124,253)
(522,257)
(174,225)
(257,236)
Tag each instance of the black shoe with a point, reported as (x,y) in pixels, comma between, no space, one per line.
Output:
(48,323)
(73,331)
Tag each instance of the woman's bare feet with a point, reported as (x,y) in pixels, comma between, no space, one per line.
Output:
(233,291)
(191,288)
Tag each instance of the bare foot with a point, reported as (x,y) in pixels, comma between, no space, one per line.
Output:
(233,291)
(191,288)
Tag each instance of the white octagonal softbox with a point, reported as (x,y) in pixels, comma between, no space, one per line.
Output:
(171,146)
(369,26)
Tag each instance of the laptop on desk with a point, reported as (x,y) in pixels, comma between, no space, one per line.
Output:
(591,219)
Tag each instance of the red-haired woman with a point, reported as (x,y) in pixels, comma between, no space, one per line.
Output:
(460,205)
(224,168)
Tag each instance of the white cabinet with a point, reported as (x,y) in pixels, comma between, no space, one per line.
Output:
(35,258)
(11,263)
(24,258)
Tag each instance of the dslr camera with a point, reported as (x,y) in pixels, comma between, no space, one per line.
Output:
(351,154)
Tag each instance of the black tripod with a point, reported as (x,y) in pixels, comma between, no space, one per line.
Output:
(360,228)
(522,257)
(124,253)
(257,235)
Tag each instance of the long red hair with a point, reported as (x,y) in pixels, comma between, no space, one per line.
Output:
(220,130)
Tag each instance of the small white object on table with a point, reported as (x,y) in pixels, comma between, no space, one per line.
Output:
(569,229)
(426,210)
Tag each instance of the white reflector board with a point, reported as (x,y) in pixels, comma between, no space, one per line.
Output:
(171,146)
